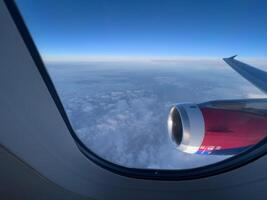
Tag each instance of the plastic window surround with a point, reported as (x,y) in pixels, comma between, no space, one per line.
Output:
(231,163)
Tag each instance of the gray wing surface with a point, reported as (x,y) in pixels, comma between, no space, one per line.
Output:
(255,76)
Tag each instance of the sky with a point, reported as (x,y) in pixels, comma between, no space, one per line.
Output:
(119,109)
(147,28)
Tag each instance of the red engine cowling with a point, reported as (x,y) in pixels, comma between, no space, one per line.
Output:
(218,127)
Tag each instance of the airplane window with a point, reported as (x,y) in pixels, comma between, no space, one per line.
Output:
(144,84)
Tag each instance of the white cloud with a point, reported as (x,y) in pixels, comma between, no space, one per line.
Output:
(121,115)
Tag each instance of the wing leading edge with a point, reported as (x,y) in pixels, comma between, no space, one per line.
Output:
(256,76)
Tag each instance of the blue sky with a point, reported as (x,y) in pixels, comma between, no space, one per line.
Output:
(154,28)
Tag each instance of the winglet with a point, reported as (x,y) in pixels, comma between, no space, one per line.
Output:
(232,57)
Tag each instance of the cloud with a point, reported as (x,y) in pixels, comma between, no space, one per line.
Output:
(121,115)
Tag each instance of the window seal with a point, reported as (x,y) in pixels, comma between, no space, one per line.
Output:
(248,156)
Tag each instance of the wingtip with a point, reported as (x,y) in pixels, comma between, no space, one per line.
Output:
(232,57)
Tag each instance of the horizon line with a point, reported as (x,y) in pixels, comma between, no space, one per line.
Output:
(112,58)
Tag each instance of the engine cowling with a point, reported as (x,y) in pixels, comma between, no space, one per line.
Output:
(218,127)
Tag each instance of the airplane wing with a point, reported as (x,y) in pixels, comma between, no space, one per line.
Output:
(256,76)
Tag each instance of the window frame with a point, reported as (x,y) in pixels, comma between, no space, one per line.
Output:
(235,162)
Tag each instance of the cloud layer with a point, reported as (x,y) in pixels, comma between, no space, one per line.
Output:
(120,113)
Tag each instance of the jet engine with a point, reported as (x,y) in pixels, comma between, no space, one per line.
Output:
(218,127)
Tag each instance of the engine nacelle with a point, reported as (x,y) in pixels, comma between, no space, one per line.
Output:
(218,127)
